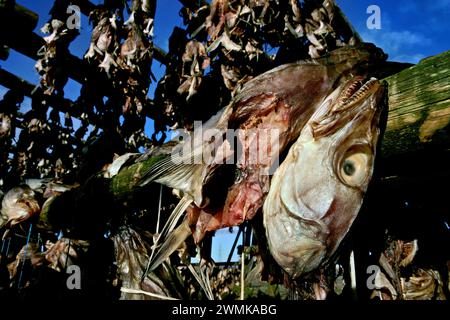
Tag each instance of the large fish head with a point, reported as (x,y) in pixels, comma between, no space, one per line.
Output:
(317,191)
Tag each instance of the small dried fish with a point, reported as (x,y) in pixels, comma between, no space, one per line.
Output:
(424,284)
(6,126)
(64,252)
(18,205)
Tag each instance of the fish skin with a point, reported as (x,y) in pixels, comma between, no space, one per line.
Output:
(283,98)
(313,200)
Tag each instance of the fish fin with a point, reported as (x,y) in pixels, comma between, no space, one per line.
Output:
(183,168)
(173,237)
(185,177)
(173,242)
(159,168)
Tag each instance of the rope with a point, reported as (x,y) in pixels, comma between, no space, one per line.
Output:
(153,295)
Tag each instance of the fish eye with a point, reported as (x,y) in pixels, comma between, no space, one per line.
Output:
(354,168)
(349,167)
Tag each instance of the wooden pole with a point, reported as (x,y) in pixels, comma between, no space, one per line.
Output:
(23,19)
(419,108)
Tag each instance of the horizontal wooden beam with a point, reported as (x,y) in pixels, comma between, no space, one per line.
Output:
(22,18)
(419,108)
(11,81)
(29,43)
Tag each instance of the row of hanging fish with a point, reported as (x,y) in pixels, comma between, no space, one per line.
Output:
(227,42)
(123,50)
(43,148)
(27,255)
(117,63)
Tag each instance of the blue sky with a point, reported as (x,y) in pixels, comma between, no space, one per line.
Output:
(410,31)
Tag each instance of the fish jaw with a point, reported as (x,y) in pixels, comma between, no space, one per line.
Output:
(310,206)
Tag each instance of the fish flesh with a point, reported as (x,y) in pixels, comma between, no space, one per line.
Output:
(318,190)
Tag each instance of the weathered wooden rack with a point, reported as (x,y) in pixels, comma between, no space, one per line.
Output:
(419,96)
(25,41)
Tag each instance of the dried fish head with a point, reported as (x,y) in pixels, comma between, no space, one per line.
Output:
(318,190)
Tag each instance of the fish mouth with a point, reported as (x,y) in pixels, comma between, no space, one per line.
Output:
(355,91)
(350,102)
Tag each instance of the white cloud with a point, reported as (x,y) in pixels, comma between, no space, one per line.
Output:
(395,40)
(410,58)
(400,45)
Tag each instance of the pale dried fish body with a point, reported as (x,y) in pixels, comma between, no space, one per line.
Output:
(423,285)
(296,11)
(6,125)
(216,19)
(18,205)
(54,28)
(317,191)
(251,48)
(409,252)
(230,76)
(195,58)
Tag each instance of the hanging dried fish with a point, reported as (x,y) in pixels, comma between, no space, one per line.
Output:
(18,205)
(131,259)
(423,285)
(52,62)
(318,190)
(64,253)
(277,100)
(30,253)
(6,126)
(104,40)
(400,279)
